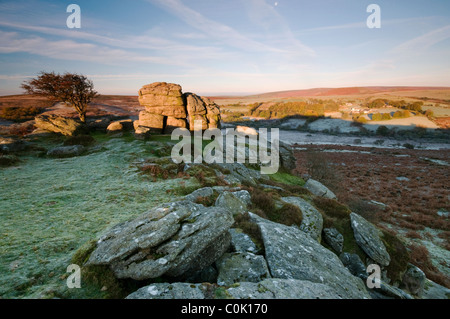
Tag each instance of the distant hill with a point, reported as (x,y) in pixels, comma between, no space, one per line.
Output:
(343,91)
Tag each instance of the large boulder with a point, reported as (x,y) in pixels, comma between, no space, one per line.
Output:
(163,98)
(241,267)
(167,108)
(319,189)
(202,109)
(367,237)
(293,254)
(150,121)
(312,220)
(59,124)
(173,239)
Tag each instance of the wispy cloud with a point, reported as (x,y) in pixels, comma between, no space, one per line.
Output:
(220,32)
(423,42)
(12,42)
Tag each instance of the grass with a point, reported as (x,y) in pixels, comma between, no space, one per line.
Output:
(288,179)
(51,207)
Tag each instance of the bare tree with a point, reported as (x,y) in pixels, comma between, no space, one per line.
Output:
(72,89)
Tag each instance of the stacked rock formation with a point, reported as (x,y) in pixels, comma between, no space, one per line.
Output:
(167,108)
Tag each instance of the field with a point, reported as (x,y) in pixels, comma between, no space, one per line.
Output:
(435,99)
(51,207)
(404,190)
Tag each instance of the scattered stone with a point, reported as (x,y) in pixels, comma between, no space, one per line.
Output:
(241,267)
(292,254)
(334,238)
(402,179)
(241,242)
(319,189)
(172,239)
(367,237)
(59,124)
(312,221)
(66,151)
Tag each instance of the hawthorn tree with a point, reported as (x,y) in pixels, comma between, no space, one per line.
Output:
(73,89)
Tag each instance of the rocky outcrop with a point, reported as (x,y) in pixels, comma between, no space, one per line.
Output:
(270,288)
(292,254)
(173,239)
(319,189)
(368,238)
(59,124)
(168,108)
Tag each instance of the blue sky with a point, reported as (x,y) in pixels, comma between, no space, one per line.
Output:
(227,46)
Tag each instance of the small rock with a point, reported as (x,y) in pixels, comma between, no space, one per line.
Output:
(66,151)
(232,203)
(241,267)
(312,221)
(354,264)
(319,189)
(414,280)
(241,242)
(367,237)
(334,238)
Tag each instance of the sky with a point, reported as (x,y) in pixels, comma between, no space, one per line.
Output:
(224,47)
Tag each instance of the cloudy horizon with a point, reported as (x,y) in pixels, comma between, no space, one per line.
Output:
(224,47)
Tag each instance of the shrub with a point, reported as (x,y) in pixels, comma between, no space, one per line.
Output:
(84,140)
(8,160)
(382,130)
(420,257)
(20,113)
(399,256)
(263,201)
(287,215)
(244,222)
(331,207)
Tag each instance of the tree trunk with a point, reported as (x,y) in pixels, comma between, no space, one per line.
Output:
(82,117)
